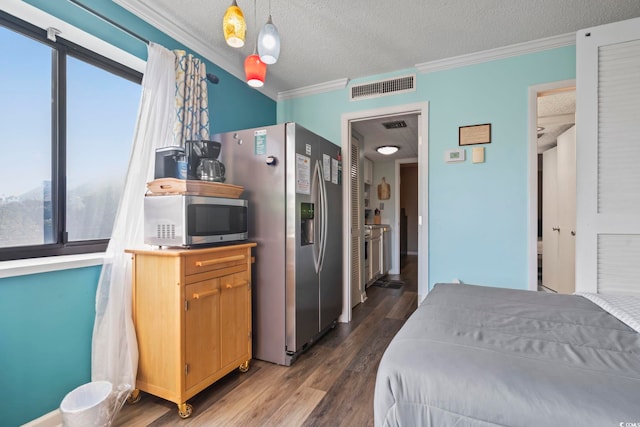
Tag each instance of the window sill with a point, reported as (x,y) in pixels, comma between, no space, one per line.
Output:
(23,267)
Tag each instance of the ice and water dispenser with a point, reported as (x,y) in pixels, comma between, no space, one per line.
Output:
(306,223)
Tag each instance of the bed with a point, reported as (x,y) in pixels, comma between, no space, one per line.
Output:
(480,356)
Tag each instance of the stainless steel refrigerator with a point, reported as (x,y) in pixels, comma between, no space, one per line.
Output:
(293,181)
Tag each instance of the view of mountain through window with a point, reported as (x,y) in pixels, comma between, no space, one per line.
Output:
(96,138)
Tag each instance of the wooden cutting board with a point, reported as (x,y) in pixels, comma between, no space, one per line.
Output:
(164,186)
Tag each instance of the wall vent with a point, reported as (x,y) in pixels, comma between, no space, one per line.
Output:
(383,87)
(396,124)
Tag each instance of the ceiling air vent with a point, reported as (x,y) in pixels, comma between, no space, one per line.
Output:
(397,124)
(384,87)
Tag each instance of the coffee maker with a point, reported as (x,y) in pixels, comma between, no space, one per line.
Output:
(202,161)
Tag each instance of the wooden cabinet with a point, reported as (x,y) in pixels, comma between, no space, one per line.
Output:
(376,247)
(367,171)
(373,261)
(192,314)
(367,176)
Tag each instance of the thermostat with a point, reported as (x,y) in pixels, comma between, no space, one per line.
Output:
(453,156)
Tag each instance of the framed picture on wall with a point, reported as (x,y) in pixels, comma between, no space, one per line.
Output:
(474,134)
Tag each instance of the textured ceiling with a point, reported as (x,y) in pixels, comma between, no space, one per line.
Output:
(323,41)
(556,114)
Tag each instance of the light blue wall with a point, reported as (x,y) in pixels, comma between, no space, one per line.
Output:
(46,320)
(477,212)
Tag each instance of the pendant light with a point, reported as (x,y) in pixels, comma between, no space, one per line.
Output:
(254,69)
(234,26)
(269,42)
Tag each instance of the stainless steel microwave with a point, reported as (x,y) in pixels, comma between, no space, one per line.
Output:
(186,221)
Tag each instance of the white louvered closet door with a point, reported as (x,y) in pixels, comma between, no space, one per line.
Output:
(356,224)
(608,159)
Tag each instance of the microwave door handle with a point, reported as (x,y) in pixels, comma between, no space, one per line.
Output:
(314,199)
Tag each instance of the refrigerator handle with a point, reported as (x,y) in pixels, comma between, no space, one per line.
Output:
(323,221)
(316,198)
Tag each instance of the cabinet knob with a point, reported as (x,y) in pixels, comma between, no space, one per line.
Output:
(573,232)
(556,228)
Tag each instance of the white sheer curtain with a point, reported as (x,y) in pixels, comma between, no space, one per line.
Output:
(114,346)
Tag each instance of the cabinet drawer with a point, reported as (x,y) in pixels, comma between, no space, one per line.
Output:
(200,263)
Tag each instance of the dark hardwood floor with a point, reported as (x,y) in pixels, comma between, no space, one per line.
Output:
(331,384)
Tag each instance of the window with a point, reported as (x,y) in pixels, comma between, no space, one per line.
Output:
(67,119)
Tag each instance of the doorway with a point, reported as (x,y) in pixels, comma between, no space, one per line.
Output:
(551,115)
(420,112)
(408,221)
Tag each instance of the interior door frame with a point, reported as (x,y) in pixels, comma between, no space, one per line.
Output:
(533,174)
(421,108)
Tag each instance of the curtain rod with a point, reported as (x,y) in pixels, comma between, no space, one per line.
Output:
(211,77)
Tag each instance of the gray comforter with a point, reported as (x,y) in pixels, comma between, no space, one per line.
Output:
(479,356)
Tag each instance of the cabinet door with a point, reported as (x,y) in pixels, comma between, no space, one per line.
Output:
(202,330)
(375,257)
(368,171)
(235,318)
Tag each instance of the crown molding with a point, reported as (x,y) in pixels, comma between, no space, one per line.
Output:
(314,89)
(187,38)
(498,53)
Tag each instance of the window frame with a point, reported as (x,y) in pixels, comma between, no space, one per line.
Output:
(61,49)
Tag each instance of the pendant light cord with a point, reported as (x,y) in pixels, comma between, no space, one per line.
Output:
(255,27)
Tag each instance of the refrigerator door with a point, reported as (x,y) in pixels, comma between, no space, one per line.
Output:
(302,285)
(330,287)
(245,155)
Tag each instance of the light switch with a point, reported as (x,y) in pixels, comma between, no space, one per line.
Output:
(477,155)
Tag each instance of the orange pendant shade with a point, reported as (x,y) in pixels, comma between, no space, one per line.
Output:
(255,70)
(234,26)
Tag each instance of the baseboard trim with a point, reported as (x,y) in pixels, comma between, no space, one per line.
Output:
(51,419)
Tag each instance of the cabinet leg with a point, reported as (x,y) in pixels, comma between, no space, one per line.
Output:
(134,397)
(244,367)
(185,410)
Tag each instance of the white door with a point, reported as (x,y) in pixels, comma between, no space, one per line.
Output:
(608,158)
(566,212)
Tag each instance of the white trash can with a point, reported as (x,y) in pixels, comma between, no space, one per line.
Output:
(94,404)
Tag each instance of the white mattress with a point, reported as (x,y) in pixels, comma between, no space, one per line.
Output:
(624,307)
